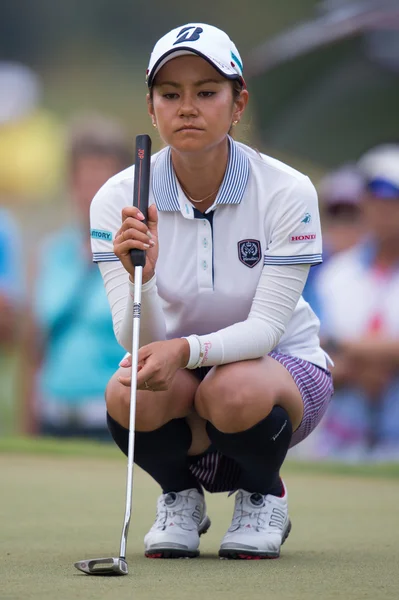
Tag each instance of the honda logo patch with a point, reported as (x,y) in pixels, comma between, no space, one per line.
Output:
(303,237)
(249,252)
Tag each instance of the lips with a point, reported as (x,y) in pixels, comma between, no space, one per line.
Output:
(189,128)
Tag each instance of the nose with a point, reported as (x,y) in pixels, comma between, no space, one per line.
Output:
(187,106)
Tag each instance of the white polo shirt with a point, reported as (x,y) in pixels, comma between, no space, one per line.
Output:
(209,265)
(355,298)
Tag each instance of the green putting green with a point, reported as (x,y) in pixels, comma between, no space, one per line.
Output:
(62,502)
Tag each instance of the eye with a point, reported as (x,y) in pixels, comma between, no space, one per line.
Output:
(170,96)
(205,94)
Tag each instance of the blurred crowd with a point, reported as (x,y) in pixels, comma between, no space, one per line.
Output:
(60,326)
(355,293)
(55,320)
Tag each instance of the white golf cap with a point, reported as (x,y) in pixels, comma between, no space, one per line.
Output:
(380,167)
(209,42)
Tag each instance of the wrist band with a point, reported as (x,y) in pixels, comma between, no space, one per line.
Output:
(196,355)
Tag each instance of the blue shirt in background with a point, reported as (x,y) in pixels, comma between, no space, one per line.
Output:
(81,352)
(310,292)
(11,277)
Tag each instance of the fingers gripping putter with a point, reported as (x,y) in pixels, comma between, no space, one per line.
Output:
(118,565)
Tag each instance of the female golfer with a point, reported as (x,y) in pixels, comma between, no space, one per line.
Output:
(231,373)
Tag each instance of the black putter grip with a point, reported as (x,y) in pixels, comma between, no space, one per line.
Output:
(141,187)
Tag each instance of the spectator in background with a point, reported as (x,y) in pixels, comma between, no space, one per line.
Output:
(359,294)
(340,194)
(18,96)
(11,291)
(10,277)
(77,352)
(30,137)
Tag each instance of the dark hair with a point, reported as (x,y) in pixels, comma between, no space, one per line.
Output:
(237,88)
(95,135)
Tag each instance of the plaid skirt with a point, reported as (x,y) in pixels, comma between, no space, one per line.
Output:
(218,473)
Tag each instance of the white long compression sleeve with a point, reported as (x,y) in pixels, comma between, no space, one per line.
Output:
(276,297)
(120,297)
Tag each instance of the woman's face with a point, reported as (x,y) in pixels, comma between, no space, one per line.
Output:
(193,105)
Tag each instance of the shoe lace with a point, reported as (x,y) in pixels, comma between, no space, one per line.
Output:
(260,517)
(181,515)
(257,517)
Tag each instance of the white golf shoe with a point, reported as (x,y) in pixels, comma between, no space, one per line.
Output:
(259,527)
(181,519)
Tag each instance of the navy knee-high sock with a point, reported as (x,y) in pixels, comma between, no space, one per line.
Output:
(260,451)
(161,453)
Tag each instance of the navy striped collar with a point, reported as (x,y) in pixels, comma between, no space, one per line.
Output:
(165,187)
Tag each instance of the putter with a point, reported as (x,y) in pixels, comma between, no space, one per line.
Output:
(118,565)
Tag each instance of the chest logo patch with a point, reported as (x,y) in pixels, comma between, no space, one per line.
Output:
(249,252)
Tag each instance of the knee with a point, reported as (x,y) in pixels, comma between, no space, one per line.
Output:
(117,397)
(148,416)
(230,404)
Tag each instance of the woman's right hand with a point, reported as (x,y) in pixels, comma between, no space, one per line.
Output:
(133,233)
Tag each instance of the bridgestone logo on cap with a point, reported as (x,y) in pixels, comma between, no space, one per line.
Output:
(305,237)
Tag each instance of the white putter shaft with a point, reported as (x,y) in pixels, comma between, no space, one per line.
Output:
(118,565)
(114,565)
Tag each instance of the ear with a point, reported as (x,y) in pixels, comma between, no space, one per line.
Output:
(240,105)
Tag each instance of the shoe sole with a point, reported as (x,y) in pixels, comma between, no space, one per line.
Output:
(177,552)
(240,555)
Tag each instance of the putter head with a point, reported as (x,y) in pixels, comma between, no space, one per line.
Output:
(103,566)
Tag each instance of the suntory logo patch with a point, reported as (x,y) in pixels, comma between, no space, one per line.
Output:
(97,234)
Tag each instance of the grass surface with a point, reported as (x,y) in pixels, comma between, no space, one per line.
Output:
(55,510)
(84,448)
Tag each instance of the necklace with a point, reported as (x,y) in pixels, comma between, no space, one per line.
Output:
(202,199)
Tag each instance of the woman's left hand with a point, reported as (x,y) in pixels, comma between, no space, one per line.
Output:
(158,363)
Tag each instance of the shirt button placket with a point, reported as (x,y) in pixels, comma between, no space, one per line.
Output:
(205,255)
